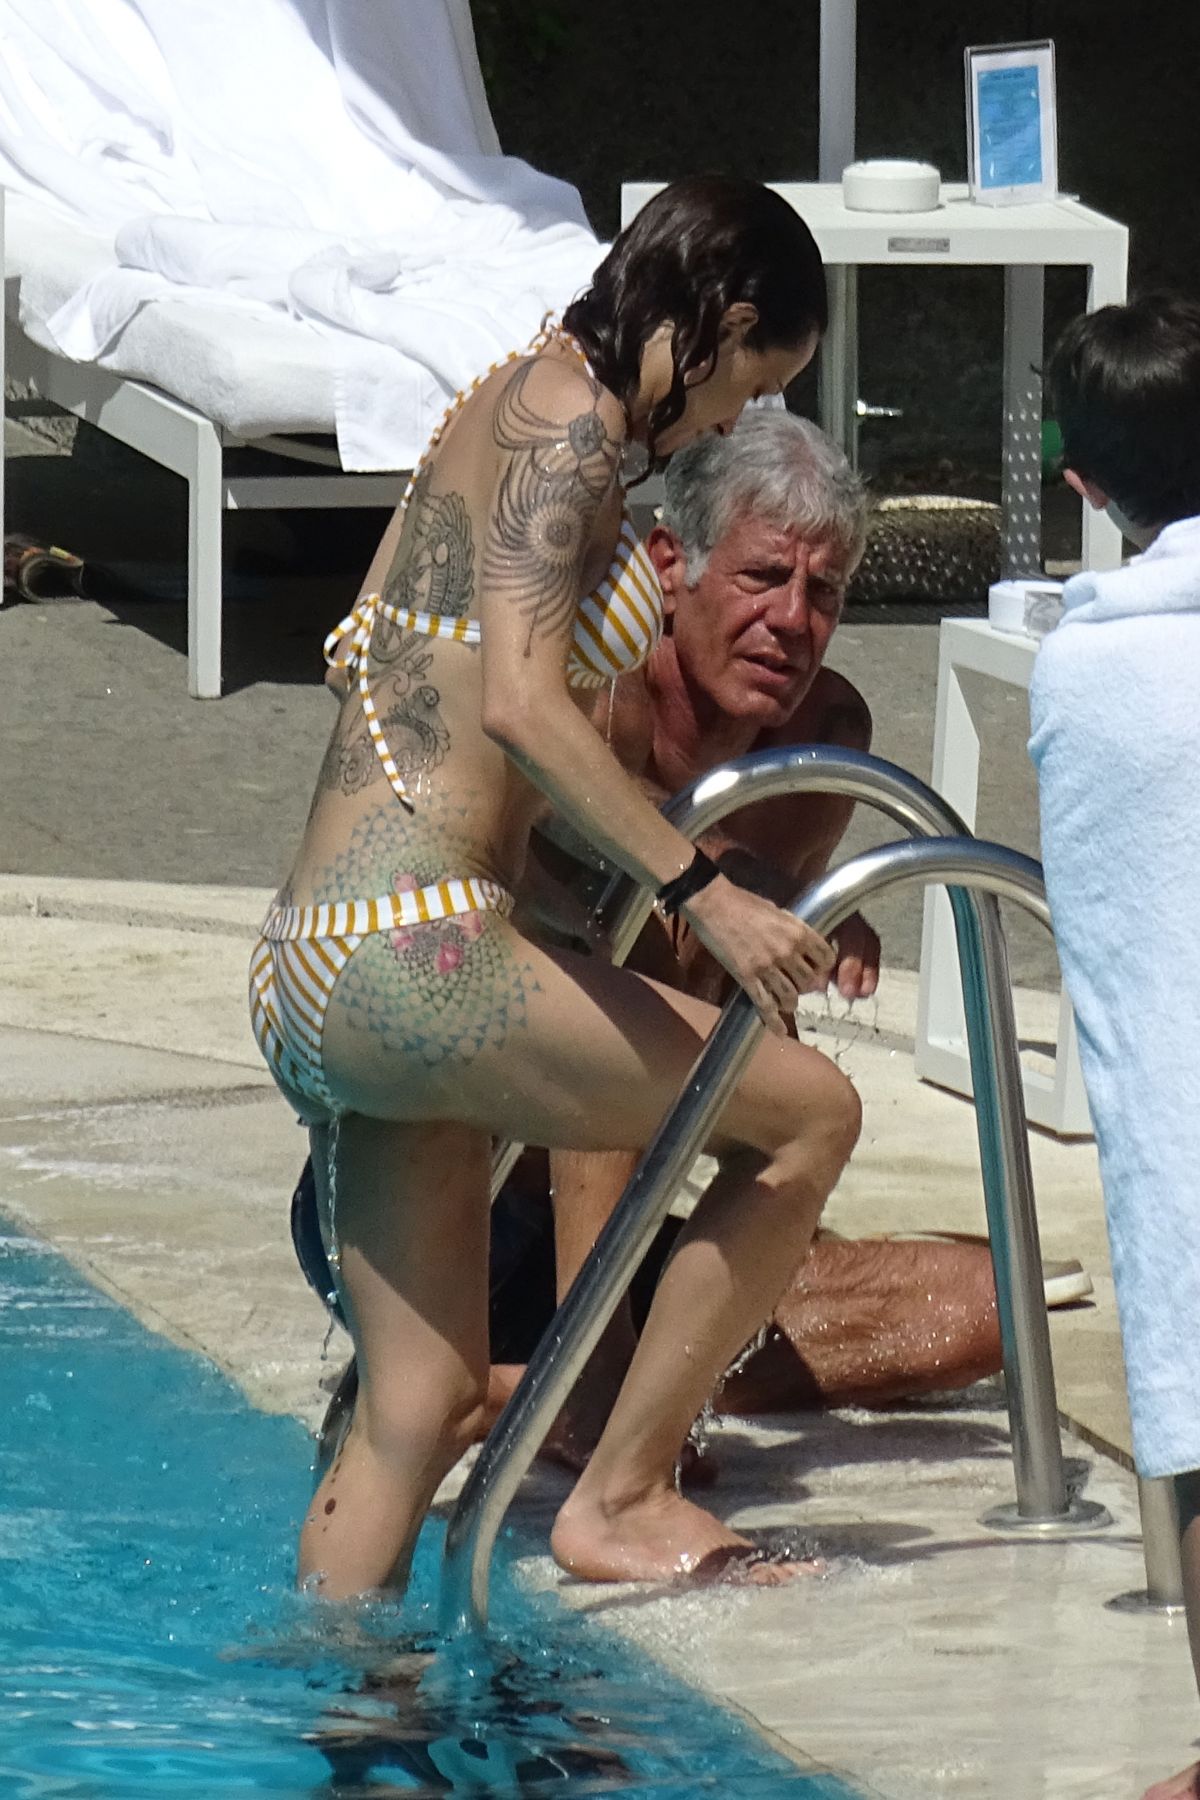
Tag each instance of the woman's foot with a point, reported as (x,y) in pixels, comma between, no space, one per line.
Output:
(1184,1786)
(662,1537)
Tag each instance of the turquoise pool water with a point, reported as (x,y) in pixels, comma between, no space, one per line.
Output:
(150,1644)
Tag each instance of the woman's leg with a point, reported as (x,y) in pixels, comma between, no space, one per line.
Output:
(625,1520)
(411,1215)
(591,1059)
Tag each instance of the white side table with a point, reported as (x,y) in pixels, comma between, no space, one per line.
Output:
(1056,1100)
(1021,240)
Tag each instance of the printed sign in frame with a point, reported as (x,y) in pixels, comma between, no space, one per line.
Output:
(1012,132)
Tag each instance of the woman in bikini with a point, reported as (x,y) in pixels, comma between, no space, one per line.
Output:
(407,1017)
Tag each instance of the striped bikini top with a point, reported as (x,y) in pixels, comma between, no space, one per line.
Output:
(613,631)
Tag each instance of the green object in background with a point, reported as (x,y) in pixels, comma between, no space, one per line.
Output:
(1052,450)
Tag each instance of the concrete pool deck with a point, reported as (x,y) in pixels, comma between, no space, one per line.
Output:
(140,1134)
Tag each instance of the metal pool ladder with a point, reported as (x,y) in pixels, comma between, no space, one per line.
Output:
(977,875)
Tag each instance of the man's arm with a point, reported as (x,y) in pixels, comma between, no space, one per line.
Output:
(801,830)
(779,847)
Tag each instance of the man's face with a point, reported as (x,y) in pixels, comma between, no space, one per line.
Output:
(750,635)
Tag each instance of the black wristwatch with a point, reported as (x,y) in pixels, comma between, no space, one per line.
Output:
(679,890)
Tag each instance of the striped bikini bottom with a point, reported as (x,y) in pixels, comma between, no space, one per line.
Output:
(302,950)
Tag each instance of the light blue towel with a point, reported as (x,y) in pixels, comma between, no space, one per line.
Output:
(1115,707)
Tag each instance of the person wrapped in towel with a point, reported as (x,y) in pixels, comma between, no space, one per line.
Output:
(1115,708)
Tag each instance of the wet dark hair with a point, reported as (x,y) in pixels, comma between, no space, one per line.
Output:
(694,250)
(1124,385)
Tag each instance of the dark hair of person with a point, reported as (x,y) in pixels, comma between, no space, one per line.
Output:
(697,248)
(1124,386)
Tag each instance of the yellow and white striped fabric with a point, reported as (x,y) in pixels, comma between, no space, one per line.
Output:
(390,912)
(355,631)
(303,949)
(617,627)
(290,985)
(614,630)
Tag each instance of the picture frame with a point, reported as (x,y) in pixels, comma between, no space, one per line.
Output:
(1012,122)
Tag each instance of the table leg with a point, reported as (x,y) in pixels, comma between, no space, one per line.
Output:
(3,368)
(838,389)
(1021,448)
(956,778)
(1056,1100)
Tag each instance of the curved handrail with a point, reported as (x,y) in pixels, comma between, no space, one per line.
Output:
(992,1050)
(624,907)
(572,1335)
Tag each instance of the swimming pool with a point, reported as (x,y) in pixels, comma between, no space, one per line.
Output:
(151,1647)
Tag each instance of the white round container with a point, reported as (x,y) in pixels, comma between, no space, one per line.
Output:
(886,185)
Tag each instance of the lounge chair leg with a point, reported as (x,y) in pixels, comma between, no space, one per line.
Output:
(205,484)
(3,374)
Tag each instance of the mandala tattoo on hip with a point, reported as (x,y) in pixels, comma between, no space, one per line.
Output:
(440,993)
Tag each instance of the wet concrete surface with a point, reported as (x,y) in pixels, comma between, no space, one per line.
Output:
(143,1138)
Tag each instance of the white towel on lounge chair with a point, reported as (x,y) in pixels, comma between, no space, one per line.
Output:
(1115,708)
(314,158)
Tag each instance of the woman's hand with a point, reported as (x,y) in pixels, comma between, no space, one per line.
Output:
(771,955)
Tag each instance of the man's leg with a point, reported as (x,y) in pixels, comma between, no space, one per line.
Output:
(863,1323)
(583,1189)
(867,1322)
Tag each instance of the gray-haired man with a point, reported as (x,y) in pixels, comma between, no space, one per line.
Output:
(761,531)
(760,535)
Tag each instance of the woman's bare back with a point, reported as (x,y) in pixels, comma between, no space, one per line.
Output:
(483,507)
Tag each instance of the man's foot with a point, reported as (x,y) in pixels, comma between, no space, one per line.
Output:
(663,1538)
(576,1432)
(1184,1786)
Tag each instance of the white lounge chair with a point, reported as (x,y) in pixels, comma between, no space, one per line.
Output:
(276,378)
(189,376)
